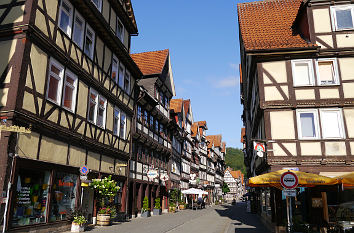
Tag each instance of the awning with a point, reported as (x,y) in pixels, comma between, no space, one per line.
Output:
(346,179)
(272,179)
(194,191)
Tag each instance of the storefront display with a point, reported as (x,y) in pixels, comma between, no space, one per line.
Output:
(31,195)
(63,197)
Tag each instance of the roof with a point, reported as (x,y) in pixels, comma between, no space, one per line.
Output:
(176,105)
(211,140)
(223,147)
(202,124)
(151,62)
(236,174)
(194,129)
(130,12)
(268,25)
(186,104)
(243,134)
(216,139)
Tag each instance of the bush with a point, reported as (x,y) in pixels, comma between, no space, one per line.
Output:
(157,203)
(80,220)
(145,205)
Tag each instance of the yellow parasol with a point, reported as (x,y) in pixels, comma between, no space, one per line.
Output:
(272,179)
(347,179)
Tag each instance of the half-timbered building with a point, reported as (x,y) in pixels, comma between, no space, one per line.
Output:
(152,134)
(297,87)
(66,74)
(203,153)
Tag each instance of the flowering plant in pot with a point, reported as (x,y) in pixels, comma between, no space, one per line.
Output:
(157,207)
(145,210)
(106,189)
(78,224)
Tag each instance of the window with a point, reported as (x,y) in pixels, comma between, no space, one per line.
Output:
(123,125)
(79,28)
(307,121)
(98,4)
(127,82)
(116,122)
(115,69)
(55,81)
(342,17)
(327,71)
(70,87)
(101,114)
(92,109)
(139,113)
(120,30)
(332,123)
(156,126)
(121,76)
(302,72)
(151,122)
(145,118)
(66,17)
(89,41)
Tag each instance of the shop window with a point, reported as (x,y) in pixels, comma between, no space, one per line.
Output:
(30,206)
(66,17)
(63,198)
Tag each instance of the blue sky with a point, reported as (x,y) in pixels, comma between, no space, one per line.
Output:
(202,36)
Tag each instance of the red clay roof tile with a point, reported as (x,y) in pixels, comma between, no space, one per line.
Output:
(176,105)
(268,25)
(151,62)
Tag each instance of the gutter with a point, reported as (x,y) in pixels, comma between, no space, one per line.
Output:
(282,51)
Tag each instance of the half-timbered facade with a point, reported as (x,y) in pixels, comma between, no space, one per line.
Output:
(67,74)
(297,86)
(152,146)
(203,153)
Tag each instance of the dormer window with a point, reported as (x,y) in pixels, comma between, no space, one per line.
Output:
(342,17)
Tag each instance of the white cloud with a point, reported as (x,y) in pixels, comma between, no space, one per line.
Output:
(226,82)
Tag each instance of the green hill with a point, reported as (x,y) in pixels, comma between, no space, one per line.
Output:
(234,159)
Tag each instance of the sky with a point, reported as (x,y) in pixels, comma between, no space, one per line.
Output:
(202,37)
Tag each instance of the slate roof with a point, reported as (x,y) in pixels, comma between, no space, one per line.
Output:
(268,25)
(151,62)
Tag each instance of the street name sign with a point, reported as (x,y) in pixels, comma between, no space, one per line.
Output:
(289,192)
(289,180)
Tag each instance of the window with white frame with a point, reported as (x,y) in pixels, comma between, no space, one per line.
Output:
(307,121)
(116,121)
(92,108)
(120,30)
(55,81)
(121,75)
(342,17)
(101,113)
(98,4)
(123,125)
(332,123)
(327,71)
(127,82)
(115,65)
(66,16)
(70,88)
(79,29)
(89,41)
(303,74)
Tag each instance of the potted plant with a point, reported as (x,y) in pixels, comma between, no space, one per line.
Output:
(157,207)
(78,224)
(182,205)
(172,207)
(106,189)
(145,211)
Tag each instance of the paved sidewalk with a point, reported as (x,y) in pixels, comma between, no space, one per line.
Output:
(216,219)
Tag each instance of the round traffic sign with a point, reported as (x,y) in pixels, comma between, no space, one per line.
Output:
(289,180)
(84,170)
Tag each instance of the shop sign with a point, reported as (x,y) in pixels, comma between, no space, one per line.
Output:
(84,170)
(15,128)
(289,192)
(152,174)
(289,180)
(164,177)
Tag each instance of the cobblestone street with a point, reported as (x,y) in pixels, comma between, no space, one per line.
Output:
(216,219)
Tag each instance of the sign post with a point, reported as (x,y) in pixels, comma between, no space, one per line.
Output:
(289,181)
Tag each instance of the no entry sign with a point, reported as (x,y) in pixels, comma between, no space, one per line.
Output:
(289,180)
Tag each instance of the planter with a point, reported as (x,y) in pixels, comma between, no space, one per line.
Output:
(181,207)
(172,209)
(156,212)
(77,228)
(145,214)
(103,219)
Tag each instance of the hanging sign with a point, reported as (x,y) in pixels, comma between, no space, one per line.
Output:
(258,146)
(164,177)
(289,180)
(152,174)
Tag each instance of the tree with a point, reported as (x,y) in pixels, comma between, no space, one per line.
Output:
(234,159)
(225,188)
(145,205)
